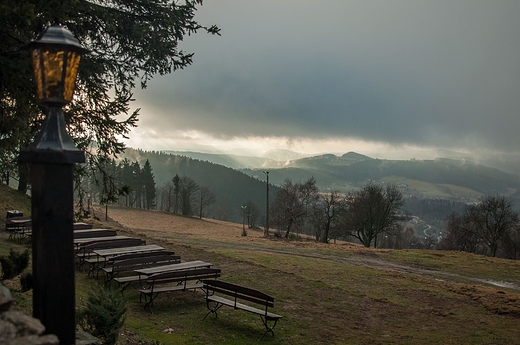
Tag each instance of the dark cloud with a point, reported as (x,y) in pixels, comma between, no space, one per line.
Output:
(426,73)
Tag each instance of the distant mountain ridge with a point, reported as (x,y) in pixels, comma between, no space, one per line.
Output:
(444,178)
(452,179)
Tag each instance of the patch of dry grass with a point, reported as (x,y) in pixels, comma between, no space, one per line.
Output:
(328,294)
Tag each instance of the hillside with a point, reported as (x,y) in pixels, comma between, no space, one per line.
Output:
(11,199)
(458,181)
(451,179)
(232,188)
(439,178)
(327,293)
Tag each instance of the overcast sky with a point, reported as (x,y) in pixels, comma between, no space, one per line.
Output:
(386,78)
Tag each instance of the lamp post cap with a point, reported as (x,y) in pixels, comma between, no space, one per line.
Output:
(59,35)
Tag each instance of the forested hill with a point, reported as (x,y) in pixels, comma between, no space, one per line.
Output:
(451,179)
(232,188)
(439,178)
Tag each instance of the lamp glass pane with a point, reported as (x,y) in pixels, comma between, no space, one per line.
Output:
(73,59)
(37,72)
(53,69)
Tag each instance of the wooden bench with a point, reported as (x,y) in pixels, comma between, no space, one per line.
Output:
(144,273)
(130,262)
(103,257)
(240,294)
(85,250)
(182,280)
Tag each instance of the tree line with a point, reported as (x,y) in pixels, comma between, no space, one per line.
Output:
(183,195)
(364,215)
(490,227)
(374,216)
(137,188)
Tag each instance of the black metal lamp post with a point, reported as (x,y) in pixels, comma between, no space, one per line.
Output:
(267,205)
(244,208)
(52,155)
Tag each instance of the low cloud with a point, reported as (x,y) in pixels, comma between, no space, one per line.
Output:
(439,74)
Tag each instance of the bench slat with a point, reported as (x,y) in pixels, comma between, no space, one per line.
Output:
(239,289)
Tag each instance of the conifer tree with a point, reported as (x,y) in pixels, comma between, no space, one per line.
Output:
(130,42)
(148,181)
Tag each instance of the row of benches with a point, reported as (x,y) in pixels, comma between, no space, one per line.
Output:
(130,268)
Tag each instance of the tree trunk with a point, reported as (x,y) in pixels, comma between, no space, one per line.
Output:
(23,173)
(288,229)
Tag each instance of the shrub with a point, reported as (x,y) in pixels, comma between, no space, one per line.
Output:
(8,270)
(20,260)
(26,281)
(14,263)
(104,314)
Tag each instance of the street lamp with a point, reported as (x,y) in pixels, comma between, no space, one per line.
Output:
(244,209)
(267,205)
(52,155)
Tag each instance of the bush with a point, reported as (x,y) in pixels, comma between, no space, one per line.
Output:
(8,270)
(14,263)
(26,281)
(104,314)
(20,260)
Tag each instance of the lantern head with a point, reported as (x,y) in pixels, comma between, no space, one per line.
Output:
(56,56)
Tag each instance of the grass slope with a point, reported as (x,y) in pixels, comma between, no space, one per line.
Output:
(328,294)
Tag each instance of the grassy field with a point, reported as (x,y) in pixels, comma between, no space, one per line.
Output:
(328,294)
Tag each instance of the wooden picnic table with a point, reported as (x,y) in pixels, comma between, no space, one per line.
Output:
(20,222)
(105,253)
(84,247)
(87,233)
(173,267)
(82,226)
(81,241)
(19,226)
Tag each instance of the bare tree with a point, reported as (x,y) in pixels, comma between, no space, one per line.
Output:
(374,210)
(511,243)
(167,196)
(188,196)
(252,213)
(293,203)
(493,217)
(207,197)
(327,215)
(461,235)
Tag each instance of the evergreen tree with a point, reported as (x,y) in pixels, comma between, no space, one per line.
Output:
(176,190)
(125,179)
(130,42)
(137,185)
(148,181)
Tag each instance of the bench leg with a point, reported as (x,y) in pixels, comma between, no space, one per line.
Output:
(212,310)
(122,288)
(148,300)
(268,329)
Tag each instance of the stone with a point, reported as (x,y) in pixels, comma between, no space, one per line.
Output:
(7,331)
(6,300)
(48,339)
(25,324)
